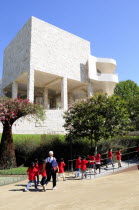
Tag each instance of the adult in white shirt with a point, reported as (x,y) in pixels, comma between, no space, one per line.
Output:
(50,169)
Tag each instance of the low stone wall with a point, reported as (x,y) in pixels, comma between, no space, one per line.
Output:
(52,125)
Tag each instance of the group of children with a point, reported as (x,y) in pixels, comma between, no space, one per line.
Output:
(38,168)
(95,162)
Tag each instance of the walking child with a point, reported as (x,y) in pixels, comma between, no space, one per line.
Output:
(42,172)
(78,166)
(110,158)
(98,162)
(37,167)
(92,161)
(31,176)
(61,166)
(119,157)
(83,167)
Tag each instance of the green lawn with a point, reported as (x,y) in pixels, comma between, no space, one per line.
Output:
(35,137)
(14,171)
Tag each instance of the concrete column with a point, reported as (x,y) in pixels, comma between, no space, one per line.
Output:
(45,97)
(30,86)
(90,89)
(64,94)
(14,90)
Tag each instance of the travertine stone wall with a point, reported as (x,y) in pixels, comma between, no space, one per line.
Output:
(43,47)
(17,55)
(58,52)
(52,125)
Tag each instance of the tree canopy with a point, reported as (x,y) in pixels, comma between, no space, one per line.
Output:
(97,117)
(10,111)
(127,89)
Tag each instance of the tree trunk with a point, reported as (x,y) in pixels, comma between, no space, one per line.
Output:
(7,152)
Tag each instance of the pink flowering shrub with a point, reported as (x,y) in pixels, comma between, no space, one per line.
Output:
(10,111)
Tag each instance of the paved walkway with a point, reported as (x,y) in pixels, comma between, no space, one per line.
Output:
(106,171)
(117,192)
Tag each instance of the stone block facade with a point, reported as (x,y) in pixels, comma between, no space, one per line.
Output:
(55,68)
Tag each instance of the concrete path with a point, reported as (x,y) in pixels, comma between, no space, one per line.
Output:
(106,171)
(117,192)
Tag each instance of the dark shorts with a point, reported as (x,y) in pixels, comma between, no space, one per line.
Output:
(92,165)
(43,181)
(97,166)
(109,161)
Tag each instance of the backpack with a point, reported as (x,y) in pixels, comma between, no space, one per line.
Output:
(55,165)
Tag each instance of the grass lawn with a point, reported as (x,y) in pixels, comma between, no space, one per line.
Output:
(14,171)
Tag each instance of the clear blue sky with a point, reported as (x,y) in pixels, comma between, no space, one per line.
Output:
(112,26)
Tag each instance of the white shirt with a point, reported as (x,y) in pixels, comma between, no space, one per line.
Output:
(49,159)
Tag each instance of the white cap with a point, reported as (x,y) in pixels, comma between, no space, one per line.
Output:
(51,152)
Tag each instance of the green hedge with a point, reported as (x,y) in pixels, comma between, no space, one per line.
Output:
(28,147)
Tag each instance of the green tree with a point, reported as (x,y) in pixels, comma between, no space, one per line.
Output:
(133,110)
(10,111)
(127,89)
(97,117)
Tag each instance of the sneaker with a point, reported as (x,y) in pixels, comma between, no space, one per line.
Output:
(26,190)
(38,184)
(55,188)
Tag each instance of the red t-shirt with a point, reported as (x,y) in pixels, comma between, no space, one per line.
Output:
(43,173)
(37,168)
(110,155)
(98,158)
(78,163)
(61,167)
(31,173)
(93,159)
(118,153)
(83,164)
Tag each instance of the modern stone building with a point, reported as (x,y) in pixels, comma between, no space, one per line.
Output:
(53,67)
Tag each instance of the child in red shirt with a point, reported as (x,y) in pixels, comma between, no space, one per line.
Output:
(42,172)
(92,161)
(61,166)
(110,158)
(98,161)
(78,166)
(118,153)
(31,176)
(37,173)
(83,167)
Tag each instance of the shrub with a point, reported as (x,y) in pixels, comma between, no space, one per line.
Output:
(29,147)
